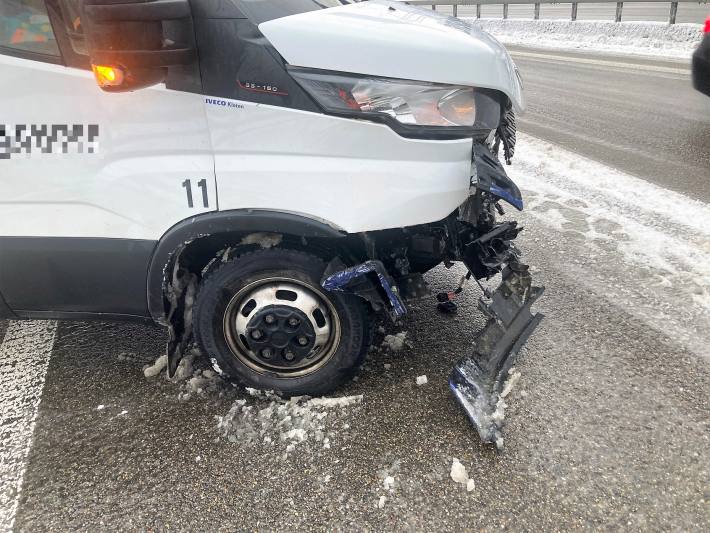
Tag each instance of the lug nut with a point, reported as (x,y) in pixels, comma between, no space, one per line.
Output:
(266,353)
(293,322)
(256,334)
(289,355)
(302,340)
(269,319)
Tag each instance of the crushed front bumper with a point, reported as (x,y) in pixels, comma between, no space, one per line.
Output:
(478,379)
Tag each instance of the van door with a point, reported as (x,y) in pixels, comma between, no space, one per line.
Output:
(90,180)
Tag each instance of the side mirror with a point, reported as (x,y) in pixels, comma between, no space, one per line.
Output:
(132,43)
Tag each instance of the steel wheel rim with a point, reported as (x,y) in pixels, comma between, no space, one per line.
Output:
(257,298)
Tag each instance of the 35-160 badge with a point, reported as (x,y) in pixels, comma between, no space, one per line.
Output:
(257,87)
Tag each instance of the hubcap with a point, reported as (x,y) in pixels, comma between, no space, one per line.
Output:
(281,325)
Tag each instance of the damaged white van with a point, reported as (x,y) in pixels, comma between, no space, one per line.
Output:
(261,177)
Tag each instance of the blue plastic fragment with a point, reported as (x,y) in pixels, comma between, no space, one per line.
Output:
(338,281)
(505,195)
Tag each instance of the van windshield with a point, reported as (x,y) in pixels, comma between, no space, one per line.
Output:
(259,11)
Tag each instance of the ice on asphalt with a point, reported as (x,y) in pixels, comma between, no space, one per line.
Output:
(286,425)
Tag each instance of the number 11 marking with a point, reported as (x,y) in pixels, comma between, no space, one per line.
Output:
(202,184)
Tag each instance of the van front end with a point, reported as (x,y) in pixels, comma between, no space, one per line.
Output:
(264,176)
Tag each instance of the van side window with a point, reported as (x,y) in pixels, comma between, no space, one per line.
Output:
(25,26)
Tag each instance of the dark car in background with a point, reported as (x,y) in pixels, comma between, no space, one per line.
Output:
(701,62)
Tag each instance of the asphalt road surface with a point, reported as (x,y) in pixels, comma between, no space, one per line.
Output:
(608,426)
(635,114)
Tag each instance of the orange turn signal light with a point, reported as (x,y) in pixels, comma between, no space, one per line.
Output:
(108,76)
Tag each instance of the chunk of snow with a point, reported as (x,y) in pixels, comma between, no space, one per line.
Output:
(342,401)
(499,414)
(381,502)
(388,482)
(459,475)
(263,239)
(422,380)
(157,367)
(100,407)
(458,472)
(185,370)
(298,434)
(513,377)
(202,381)
(216,367)
(395,342)
(124,412)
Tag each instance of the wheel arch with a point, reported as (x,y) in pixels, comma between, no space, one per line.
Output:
(210,229)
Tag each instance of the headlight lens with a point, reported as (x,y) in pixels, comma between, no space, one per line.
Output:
(410,103)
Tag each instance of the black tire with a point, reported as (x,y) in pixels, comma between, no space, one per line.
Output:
(223,285)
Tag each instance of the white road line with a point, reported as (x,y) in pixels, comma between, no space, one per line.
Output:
(683,71)
(24,357)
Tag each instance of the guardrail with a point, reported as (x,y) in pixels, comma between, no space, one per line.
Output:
(536,14)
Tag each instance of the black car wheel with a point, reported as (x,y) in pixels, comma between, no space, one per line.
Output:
(267,323)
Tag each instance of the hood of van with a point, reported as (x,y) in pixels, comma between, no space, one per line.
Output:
(395,40)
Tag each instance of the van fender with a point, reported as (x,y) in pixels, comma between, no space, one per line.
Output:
(222,222)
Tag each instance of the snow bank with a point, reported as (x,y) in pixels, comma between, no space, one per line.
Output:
(285,424)
(640,38)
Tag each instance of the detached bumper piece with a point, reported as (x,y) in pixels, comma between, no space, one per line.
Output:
(478,379)
(358,280)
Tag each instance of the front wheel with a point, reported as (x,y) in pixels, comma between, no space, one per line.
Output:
(265,320)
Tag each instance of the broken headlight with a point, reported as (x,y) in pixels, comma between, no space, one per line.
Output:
(410,107)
